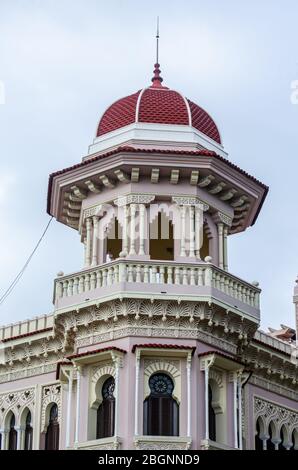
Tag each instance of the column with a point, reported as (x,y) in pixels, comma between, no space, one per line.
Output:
(198,231)
(133,209)
(2,439)
(225,248)
(220,245)
(85,252)
(142,210)
(191,231)
(235,410)
(137,393)
(240,412)
(182,241)
(78,405)
(207,402)
(88,241)
(124,251)
(95,241)
(188,372)
(69,400)
(20,431)
(116,397)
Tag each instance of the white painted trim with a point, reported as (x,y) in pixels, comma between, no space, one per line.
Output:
(138,104)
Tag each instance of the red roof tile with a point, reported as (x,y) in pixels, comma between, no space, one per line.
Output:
(26,334)
(95,351)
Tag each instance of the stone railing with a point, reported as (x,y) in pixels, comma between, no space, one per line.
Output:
(26,326)
(207,444)
(276,343)
(107,443)
(159,274)
(162,443)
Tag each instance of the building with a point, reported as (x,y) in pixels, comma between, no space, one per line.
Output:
(153,343)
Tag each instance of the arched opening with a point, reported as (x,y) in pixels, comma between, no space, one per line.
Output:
(106,410)
(294,440)
(258,431)
(13,435)
(270,444)
(28,432)
(283,437)
(212,416)
(114,241)
(161,246)
(52,433)
(204,251)
(161,411)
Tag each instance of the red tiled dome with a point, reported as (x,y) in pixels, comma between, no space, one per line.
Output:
(157,104)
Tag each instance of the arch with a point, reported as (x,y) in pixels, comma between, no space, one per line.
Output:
(160,409)
(105,426)
(284,438)
(53,431)
(272,436)
(259,433)
(169,368)
(217,406)
(12,433)
(294,438)
(28,437)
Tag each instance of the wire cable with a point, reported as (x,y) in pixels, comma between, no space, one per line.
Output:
(21,272)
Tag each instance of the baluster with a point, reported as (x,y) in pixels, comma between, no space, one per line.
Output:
(110,276)
(146,274)
(59,290)
(122,272)
(222,283)
(65,285)
(162,274)
(218,281)
(251,297)
(244,298)
(170,275)
(139,274)
(208,276)
(87,282)
(240,290)
(177,276)
(227,284)
(154,272)
(76,286)
(130,273)
(256,300)
(184,277)
(192,277)
(93,281)
(70,288)
(98,279)
(116,274)
(200,277)
(104,277)
(81,285)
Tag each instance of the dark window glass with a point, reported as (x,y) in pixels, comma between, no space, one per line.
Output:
(161,411)
(258,441)
(212,417)
(28,433)
(12,438)
(52,434)
(106,410)
(270,444)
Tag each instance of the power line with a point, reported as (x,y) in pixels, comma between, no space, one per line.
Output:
(21,272)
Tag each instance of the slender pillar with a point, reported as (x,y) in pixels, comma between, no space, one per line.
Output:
(19,437)
(116,398)
(88,241)
(95,240)
(225,248)
(235,410)
(191,231)
(78,405)
(220,245)
(2,439)
(124,251)
(137,393)
(69,400)
(188,371)
(240,413)
(198,231)
(142,210)
(133,209)
(182,241)
(207,403)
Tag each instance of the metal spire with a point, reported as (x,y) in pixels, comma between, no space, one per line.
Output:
(157,79)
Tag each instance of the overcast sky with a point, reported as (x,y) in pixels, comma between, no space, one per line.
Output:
(63,62)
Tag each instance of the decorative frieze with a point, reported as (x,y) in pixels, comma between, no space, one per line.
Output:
(190,201)
(134,199)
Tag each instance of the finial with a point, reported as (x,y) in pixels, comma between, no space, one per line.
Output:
(157,79)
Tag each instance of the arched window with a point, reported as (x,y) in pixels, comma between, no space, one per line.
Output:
(212,417)
(52,434)
(28,432)
(258,440)
(161,411)
(12,438)
(281,445)
(106,410)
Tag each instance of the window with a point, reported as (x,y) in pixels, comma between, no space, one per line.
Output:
(52,433)
(106,410)
(12,438)
(212,417)
(161,411)
(161,244)
(28,432)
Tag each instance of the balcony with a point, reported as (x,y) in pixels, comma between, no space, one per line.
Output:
(124,278)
